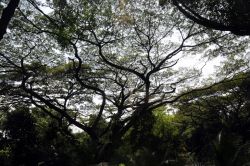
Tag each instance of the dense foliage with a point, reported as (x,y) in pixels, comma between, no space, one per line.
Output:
(84,82)
(211,127)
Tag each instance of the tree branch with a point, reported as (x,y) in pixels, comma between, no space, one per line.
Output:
(7,14)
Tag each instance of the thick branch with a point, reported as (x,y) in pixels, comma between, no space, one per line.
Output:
(7,14)
(194,16)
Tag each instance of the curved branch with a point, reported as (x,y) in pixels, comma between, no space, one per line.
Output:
(78,68)
(197,18)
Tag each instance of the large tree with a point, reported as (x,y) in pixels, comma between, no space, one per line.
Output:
(102,65)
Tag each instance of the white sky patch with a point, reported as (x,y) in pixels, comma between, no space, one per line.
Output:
(201,63)
(45,9)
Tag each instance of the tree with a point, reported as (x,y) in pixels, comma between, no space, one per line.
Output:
(20,137)
(31,137)
(160,142)
(113,62)
(224,15)
(219,120)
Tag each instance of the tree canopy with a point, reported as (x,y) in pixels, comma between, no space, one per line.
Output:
(105,67)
